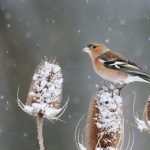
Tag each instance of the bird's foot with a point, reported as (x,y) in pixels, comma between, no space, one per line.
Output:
(120,86)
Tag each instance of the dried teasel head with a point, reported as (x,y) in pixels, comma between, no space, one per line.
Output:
(144,124)
(105,127)
(146,114)
(105,122)
(45,92)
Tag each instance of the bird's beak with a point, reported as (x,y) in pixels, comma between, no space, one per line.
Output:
(86,49)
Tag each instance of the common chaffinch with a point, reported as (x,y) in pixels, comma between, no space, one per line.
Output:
(114,67)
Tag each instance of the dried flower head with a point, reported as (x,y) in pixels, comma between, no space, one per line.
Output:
(108,118)
(144,124)
(105,121)
(45,91)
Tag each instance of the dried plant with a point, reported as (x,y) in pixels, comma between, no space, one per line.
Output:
(104,129)
(144,123)
(45,95)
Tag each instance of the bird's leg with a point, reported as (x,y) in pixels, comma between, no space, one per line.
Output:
(120,87)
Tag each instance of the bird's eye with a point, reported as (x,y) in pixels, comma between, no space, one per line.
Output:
(94,46)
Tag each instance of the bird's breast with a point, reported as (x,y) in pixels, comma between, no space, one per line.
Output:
(108,73)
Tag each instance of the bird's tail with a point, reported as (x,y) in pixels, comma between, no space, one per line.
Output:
(145,77)
(139,75)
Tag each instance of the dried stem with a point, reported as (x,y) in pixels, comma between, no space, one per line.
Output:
(40,131)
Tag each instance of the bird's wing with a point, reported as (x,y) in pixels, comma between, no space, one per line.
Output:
(113,54)
(118,62)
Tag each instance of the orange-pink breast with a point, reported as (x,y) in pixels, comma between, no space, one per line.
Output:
(108,73)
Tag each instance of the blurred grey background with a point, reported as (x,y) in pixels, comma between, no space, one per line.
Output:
(32,29)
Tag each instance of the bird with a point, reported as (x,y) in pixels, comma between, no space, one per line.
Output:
(113,66)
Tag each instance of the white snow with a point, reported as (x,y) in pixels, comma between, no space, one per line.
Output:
(8,25)
(46,91)
(109,104)
(53,21)
(96,85)
(25,134)
(7,105)
(7,51)
(47,82)
(107,41)
(50,113)
(69,116)
(141,124)
(89,77)
(79,31)
(2,97)
(82,147)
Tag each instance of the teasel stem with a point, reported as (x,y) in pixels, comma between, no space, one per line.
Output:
(40,132)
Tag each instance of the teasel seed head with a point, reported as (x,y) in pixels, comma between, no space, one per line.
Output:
(144,123)
(45,92)
(104,124)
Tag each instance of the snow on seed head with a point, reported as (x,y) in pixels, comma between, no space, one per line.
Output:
(45,91)
(46,84)
(105,119)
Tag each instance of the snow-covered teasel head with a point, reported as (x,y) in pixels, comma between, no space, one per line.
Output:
(108,118)
(45,92)
(144,123)
(104,129)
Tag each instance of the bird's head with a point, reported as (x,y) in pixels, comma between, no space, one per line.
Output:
(95,49)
